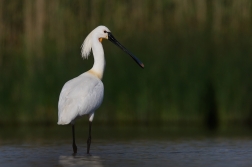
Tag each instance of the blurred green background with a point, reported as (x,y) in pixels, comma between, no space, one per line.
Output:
(197,56)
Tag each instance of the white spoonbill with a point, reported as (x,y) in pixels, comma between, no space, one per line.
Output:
(84,94)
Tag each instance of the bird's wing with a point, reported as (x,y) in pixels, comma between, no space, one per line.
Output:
(79,96)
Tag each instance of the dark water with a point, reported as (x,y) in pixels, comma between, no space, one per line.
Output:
(118,150)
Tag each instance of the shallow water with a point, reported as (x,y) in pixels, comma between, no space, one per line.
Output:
(140,150)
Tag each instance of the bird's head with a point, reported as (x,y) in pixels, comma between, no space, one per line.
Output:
(99,33)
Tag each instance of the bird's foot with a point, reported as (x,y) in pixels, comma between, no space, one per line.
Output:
(74,148)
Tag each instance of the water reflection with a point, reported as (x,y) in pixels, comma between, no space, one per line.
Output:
(76,161)
(135,153)
(139,149)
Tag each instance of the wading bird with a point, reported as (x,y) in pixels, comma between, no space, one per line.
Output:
(84,94)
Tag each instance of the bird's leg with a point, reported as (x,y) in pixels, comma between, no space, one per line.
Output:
(89,137)
(74,145)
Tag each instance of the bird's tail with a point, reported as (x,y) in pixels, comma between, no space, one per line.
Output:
(62,121)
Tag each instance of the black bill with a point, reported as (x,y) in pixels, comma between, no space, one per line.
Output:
(112,39)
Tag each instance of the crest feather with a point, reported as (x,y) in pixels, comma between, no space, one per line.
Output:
(86,46)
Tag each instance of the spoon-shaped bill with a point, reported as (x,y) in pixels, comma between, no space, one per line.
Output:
(113,40)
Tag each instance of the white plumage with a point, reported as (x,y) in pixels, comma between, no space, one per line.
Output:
(84,94)
(80,96)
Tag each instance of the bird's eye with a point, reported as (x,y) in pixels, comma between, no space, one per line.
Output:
(105,31)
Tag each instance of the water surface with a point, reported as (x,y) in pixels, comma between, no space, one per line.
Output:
(116,149)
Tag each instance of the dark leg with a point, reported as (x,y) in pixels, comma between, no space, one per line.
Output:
(74,145)
(89,137)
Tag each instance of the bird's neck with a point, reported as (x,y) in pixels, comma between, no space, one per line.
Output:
(99,59)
